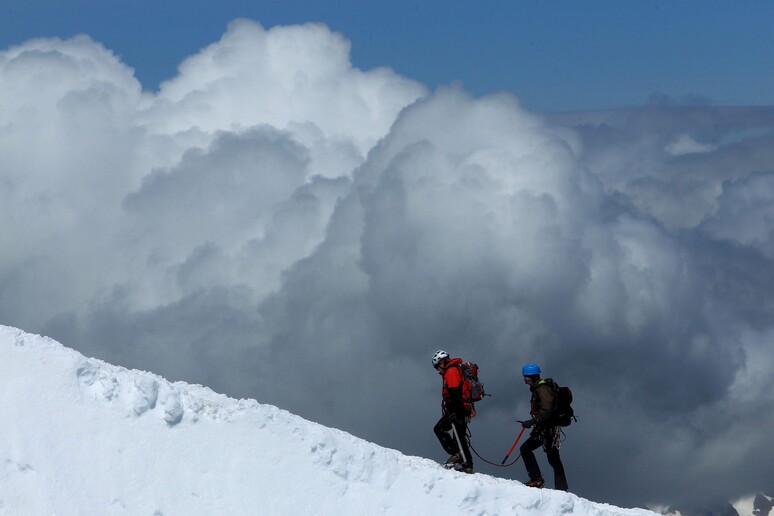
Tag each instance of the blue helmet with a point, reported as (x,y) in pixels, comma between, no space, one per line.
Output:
(530,369)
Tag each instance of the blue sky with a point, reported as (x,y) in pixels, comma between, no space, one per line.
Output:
(555,56)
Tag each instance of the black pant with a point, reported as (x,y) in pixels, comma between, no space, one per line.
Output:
(535,441)
(449,443)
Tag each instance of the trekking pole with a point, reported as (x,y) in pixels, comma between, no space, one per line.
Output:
(514,445)
(459,443)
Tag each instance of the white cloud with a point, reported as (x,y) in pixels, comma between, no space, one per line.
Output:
(296,78)
(745,213)
(684,144)
(81,142)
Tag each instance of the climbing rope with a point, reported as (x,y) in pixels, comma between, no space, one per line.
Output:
(493,463)
(467,436)
(558,437)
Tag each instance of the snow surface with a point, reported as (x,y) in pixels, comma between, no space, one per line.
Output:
(82,437)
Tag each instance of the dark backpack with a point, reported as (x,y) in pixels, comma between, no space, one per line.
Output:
(564,414)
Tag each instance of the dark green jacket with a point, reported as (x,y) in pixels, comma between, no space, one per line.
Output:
(542,402)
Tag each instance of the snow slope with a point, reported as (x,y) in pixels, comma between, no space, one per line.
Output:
(80,436)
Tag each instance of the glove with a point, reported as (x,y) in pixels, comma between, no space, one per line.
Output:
(529,423)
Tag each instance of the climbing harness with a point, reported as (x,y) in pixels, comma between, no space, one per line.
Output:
(555,442)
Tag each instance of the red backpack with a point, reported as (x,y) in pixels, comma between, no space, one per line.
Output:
(472,388)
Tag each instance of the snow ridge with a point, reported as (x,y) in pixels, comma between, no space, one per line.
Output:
(86,437)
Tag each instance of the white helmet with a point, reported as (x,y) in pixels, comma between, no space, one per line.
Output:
(439,355)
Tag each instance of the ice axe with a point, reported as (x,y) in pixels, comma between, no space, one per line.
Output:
(514,446)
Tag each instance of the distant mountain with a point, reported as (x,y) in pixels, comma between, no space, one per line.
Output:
(763,505)
(717,509)
(754,505)
(80,436)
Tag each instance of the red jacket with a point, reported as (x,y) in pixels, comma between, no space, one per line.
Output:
(452,387)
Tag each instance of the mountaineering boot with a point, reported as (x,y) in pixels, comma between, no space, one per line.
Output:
(536,482)
(452,461)
(464,468)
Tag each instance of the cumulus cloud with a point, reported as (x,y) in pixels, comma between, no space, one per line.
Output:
(277,224)
(745,214)
(684,144)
